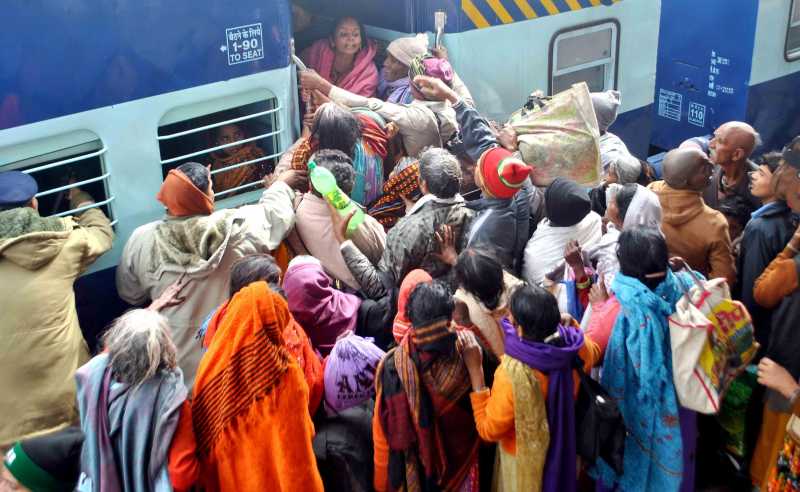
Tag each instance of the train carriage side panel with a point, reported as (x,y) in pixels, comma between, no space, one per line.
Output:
(773,106)
(64,58)
(744,66)
(503,64)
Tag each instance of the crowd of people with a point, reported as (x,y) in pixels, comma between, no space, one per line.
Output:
(446,344)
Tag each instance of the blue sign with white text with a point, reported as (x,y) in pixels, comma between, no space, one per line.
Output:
(702,81)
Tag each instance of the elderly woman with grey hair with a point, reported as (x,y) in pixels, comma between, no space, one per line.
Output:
(623,168)
(412,243)
(130,397)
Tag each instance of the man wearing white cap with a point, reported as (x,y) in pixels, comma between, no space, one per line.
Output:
(394,83)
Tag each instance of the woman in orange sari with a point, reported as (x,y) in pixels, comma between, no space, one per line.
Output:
(248,428)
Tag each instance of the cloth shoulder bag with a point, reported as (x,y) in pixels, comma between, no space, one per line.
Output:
(712,343)
(793,429)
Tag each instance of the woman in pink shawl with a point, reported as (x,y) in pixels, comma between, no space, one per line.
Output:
(346,58)
(324,312)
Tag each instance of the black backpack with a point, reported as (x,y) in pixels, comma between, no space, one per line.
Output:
(599,427)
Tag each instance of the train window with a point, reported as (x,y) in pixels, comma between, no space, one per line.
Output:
(793,33)
(585,53)
(238,137)
(72,163)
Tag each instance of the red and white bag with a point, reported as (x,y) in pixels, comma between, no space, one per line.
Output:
(712,342)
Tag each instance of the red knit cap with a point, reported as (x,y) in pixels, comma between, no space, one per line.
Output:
(502,173)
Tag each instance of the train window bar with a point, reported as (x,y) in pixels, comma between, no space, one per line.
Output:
(77,166)
(220,147)
(230,135)
(217,125)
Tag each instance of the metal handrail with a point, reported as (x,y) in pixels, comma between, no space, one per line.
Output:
(220,147)
(66,161)
(217,125)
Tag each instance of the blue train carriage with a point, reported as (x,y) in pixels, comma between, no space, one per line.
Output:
(109,96)
(505,49)
(744,66)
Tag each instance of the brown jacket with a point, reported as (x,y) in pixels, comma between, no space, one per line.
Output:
(41,344)
(696,232)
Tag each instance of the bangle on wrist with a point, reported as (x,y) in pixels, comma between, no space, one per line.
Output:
(585,284)
(795,395)
(792,248)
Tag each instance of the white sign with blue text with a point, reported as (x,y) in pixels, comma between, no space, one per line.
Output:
(244,44)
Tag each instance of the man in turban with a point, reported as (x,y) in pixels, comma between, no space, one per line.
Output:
(195,240)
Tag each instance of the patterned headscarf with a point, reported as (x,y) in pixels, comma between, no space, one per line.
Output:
(423,388)
(390,208)
(401,322)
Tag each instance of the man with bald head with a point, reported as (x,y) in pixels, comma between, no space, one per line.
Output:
(694,231)
(730,150)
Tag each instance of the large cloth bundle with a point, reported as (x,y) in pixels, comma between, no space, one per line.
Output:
(350,372)
(560,135)
(712,342)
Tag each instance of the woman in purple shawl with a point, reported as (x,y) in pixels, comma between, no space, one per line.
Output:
(530,409)
(323,311)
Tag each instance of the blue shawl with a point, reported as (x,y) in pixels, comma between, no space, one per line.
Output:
(637,371)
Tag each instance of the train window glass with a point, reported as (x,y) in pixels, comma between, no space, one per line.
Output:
(80,165)
(587,54)
(793,33)
(238,137)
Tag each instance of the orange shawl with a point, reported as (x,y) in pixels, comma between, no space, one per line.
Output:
(297,343)
(227,180)
(250,409)
(182,198)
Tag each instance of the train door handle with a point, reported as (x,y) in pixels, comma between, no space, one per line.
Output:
(686,84)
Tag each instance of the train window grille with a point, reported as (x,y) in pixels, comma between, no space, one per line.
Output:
(80,166)
(793,33)
(585,54)
(241,143)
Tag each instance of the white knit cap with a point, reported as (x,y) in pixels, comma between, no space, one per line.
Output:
(406,49)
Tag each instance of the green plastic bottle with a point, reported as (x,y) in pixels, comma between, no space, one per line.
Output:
(325,183)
